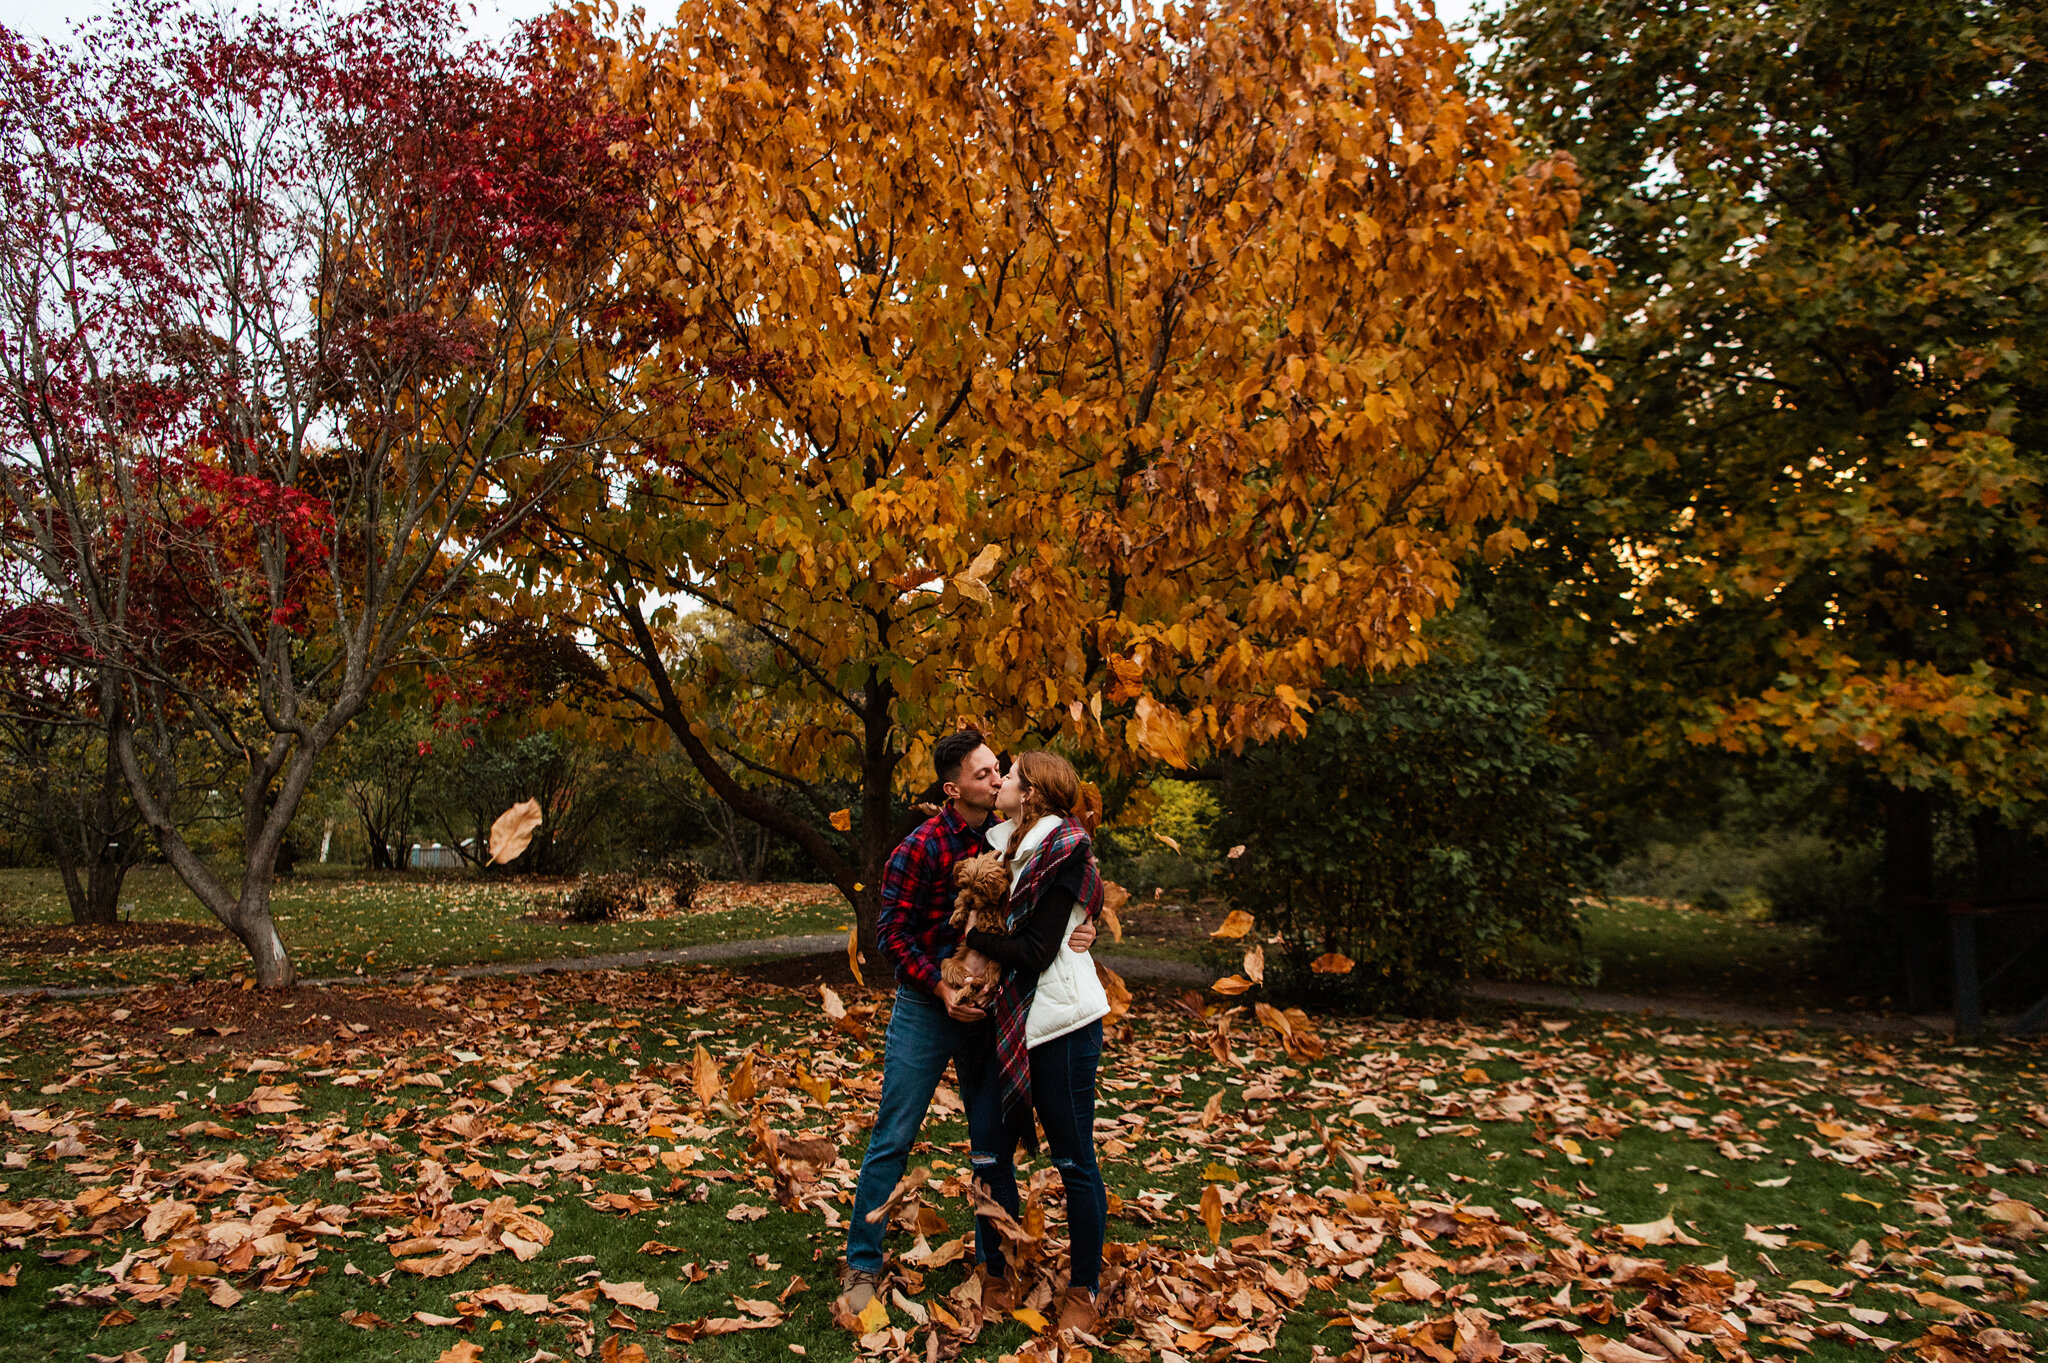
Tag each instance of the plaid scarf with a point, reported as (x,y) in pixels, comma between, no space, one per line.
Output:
(1011,1005)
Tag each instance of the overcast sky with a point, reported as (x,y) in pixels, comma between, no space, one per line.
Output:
(53,18)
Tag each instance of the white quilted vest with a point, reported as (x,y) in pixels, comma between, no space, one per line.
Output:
(1069,994)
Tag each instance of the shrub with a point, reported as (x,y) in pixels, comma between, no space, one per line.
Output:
(600,898)
(1420,828)
(681,878)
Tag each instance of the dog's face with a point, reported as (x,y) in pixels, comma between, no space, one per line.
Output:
(981,879)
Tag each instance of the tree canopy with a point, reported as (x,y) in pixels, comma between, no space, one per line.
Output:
(1108,378)
(1812,525)
(275,293)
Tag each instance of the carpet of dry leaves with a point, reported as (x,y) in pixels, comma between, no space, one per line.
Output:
(659,1164)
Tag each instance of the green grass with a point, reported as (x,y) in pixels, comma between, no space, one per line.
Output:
(1622,1123)
(1651,948)
(340,923)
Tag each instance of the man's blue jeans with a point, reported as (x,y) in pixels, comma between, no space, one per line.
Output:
(922,1037)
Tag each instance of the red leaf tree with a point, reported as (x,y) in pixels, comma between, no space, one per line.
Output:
(277,295)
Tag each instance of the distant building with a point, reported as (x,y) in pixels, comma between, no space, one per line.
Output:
(432,856)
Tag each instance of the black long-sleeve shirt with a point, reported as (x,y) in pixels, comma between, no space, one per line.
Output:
(1034,945)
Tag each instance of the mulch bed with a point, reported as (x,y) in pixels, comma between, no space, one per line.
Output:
(214,1017)
(76,939)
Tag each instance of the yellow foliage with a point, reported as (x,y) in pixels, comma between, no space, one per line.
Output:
(1108,379)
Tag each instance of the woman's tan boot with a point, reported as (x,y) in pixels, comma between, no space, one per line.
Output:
(1077,1310)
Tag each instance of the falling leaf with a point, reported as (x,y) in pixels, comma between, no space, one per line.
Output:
(1237,924)
(819,1089)
(742,1087)
(1231,984)
(1332,963)
(513,830)
(1234,853)
(1170,842)
(1118,992)
(1255,965)
(1157,730)
(1114,897)
(1212,1213)
(985,562)
(842,819)
(704,1077)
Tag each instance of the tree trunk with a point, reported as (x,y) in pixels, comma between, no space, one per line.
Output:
(877,824)
(1908,885)
(253,926)
(92,881)
(103,882)
(245,914)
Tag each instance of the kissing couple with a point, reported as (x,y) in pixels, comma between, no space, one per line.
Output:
(1036,1044)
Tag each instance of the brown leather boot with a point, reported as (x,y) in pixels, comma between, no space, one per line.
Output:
(1077,1310)
(857,1287)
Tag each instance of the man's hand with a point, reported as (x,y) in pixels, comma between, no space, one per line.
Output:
(1084,936)
(955,1009)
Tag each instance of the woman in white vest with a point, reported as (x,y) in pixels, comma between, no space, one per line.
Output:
(1048,1010)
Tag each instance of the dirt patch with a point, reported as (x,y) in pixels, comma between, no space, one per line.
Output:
(715,896)
(808,972)
(1167,921)
(73,939)
(207,1018)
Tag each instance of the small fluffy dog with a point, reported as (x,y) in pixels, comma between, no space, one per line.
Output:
(982,902)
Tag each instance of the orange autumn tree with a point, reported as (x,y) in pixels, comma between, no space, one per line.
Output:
(1109,378)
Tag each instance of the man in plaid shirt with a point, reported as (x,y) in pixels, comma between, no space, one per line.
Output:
(928,1025)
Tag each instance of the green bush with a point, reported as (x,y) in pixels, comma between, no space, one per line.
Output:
(1421,828)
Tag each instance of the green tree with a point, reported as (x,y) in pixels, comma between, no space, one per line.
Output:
(1812,524)
(1421,830)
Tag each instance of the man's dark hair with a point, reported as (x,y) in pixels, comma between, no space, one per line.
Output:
(952,750)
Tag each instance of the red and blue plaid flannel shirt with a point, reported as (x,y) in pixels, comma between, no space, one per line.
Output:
(917,897)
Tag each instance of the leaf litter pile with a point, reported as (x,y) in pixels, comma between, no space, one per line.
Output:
(660,1164)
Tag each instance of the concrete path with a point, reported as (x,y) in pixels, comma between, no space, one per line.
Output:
(1700,1008)
(1137,970)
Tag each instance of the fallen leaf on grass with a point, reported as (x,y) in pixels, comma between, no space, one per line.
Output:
(634,1294)
(508,1298)
(1663,1231)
